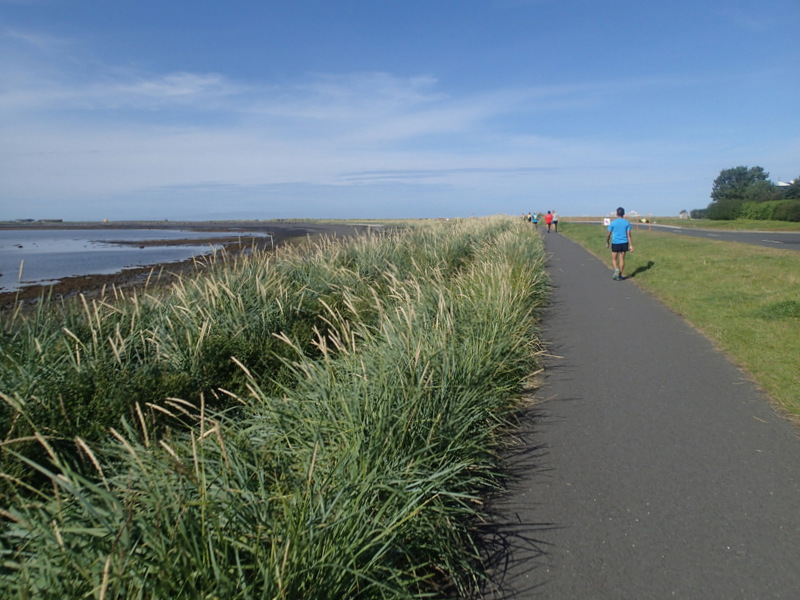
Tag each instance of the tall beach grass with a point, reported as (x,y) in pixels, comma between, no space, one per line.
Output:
(317,423)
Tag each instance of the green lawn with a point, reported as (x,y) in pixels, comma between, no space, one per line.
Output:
(745,298)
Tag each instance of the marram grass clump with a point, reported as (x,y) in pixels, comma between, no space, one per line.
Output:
(347,461)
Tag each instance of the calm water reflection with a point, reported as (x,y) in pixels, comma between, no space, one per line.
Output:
(47,255)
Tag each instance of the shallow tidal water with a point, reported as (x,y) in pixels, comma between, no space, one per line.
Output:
(42,256)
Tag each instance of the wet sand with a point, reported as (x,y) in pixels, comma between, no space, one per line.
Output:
(281,232)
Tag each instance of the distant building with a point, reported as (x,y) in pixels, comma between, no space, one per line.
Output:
(683,215)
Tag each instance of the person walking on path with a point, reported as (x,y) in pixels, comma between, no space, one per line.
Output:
(619,233)
(548,219)
(555,221)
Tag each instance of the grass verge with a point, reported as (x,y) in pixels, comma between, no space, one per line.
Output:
(745,298)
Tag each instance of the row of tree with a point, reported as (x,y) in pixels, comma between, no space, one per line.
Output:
(748,193)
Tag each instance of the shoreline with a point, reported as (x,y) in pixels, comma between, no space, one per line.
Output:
(162,274)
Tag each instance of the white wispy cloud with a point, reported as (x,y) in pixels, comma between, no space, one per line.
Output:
(748,20)
(172,88)
(71,134)
(37,40)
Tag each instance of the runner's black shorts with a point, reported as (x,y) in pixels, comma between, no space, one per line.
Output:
(619,247)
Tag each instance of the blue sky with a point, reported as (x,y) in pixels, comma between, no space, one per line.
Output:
(118,109)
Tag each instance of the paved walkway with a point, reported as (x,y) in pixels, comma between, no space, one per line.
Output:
(655,469)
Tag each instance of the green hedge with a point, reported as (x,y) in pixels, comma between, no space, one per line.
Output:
(789,210)
(773,210)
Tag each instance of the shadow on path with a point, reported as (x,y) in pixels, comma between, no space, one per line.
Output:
(510,543)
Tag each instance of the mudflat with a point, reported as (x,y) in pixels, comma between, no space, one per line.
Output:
(280,233)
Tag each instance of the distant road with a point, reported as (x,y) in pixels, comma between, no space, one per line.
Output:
(789,240)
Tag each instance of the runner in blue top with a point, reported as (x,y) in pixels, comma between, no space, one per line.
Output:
(619,233)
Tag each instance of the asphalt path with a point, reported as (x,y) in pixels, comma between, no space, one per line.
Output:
(787,240)
(653,468)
